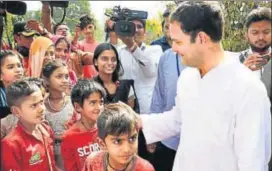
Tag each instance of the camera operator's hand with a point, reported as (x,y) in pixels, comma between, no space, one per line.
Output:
(252,61)
(129,41)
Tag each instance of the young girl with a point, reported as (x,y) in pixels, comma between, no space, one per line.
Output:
(59,109)
(108,65)
(11,69)
(41,50)
(62,51)
(81,139)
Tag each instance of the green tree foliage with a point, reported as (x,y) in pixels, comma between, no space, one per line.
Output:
(153,29)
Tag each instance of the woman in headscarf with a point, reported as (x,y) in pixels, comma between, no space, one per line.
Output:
(41,50)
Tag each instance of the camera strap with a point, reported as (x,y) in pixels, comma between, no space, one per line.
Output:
(140,62)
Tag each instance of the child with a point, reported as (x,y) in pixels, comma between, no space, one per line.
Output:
(81,139)
(62,52)
(10,122)
(59,108)
(29,146)
(86,47)
(11,69)
(118,131)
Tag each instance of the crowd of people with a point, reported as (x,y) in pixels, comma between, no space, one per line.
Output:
(182,103)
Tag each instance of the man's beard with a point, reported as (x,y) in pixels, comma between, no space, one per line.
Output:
(258,49)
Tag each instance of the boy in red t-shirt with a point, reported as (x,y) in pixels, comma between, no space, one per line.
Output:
(81,139)
(29,146)
(118,131)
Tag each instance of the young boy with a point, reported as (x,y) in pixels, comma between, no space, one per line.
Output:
(10,122)
(29,146)
(81,139)
(118,131)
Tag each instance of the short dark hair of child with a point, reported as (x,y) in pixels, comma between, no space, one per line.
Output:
(116,119)
(51,66)
(6,53)
(83,89)
(20,89)
(85,20)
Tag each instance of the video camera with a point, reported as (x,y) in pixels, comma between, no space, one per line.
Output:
(122,26)
(13,7)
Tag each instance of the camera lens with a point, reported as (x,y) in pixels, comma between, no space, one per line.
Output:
(124,28)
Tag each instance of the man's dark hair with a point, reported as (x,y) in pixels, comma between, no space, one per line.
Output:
(116,119)
(195,17)
(165,14)
(83,89)
(85,20)
(19,90)
(259,14)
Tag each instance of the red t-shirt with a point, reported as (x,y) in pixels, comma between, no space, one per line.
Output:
(96,163)
(22,151)
(76,146)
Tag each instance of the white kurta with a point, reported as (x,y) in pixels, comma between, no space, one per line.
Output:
(223,120)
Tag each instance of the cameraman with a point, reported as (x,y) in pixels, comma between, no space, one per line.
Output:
(140,63)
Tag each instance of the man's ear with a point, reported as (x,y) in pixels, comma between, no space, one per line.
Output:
(102,144)
(15,111)
(202,37)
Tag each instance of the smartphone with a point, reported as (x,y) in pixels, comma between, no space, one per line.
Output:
(267,57)
(264,61)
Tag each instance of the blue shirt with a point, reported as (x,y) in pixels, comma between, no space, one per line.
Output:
(166,89)
(162,42)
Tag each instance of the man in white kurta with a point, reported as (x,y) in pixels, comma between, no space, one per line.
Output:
(222,116)
(223,120)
